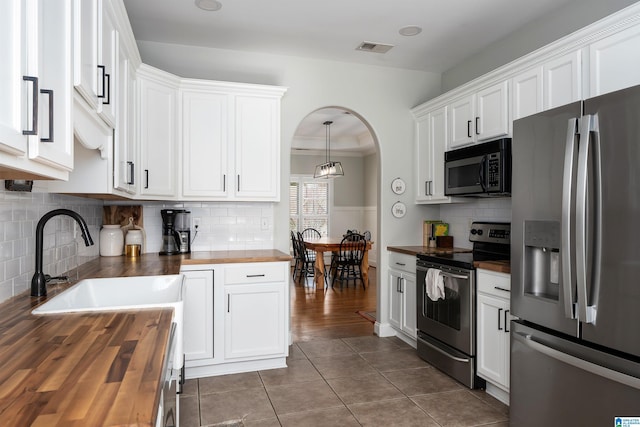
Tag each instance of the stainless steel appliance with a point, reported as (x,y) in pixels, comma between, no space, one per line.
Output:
(575,353)
(176,231)
(479,170)
(447,327)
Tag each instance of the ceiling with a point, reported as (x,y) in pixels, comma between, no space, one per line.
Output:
(452,31)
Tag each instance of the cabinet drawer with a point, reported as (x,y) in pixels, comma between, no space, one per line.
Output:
(494,283)
(259,272)
(404,262)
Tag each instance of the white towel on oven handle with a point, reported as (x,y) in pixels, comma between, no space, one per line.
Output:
(434,284)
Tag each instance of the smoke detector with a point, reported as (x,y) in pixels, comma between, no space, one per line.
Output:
(374,47)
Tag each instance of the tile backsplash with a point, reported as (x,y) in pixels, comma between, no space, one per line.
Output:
(63,246)
(460,215)
(223,226)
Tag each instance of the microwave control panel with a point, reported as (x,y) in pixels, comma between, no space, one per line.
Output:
(493,171)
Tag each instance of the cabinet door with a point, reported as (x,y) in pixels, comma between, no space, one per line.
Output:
(124,162)
(432,139)
(86,71)
(493,347)
(257,149)
(255,321)
(53,145)
(409,314)
(14,100)
(562,80)
(395,299)
(526,98)
(462,117)
(614,62)
(205,140)
(198,315)
(108,57)
(157,137)
(492,112)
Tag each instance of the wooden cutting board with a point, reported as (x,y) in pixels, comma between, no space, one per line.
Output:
(112,215)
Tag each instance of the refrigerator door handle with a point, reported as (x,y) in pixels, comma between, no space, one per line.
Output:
(585,313)
(601,371)
(566,235)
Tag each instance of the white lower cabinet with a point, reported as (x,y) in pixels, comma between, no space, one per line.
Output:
(493,330)
(402,294)
(236,317)
(198,316)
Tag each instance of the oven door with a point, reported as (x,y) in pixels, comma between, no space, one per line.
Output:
(465,176)
(452,319)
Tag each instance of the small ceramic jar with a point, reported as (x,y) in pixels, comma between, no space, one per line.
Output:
(111,240)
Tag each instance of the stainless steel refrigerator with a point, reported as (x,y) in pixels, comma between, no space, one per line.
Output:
(575,263)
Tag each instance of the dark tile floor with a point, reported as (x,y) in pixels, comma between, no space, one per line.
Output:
(360,381)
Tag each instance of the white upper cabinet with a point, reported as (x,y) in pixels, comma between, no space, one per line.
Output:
(125,153)
(157,118)
(615,62)
(527,93)
(562,80)
(461,116)
(431,142)
(14,50)
(230,140)
(257,147)
(480,116)
(205,141)
(492,114)
(95,62)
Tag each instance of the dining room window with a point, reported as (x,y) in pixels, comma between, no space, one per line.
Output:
(308,204)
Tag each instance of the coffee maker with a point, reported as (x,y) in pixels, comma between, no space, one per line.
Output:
(176,234)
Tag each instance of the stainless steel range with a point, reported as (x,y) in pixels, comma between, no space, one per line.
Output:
(447,323)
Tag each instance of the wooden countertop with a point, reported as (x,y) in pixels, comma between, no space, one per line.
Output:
(498,266)
(415,250)
(91,369)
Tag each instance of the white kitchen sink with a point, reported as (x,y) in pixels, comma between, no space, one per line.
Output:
(122,293)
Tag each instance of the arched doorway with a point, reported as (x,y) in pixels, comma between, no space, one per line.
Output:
(352,204)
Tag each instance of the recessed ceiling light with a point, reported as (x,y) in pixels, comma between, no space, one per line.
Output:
(209,5)
(410,30)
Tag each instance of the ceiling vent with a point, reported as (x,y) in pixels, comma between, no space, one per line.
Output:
(374,47)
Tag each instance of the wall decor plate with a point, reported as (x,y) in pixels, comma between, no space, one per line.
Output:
(399,209)
(398,186)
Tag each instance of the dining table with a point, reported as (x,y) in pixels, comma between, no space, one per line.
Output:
(332,244)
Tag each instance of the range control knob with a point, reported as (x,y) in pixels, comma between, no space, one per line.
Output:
(474,231)
(480,232)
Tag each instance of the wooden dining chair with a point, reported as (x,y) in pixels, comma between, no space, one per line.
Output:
(348,260)
(296,254)
(308,259)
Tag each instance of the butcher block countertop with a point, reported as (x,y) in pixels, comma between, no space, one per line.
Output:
(415,250)
(91,369)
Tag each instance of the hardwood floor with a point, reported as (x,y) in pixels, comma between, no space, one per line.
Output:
(331,313)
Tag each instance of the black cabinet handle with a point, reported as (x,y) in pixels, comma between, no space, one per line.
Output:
(506,321)
(469,128)
(107,90)
(402,286)
(224,182)
(398,285)
(34,106)
(401,264)
(50,93)
(477,126)
(255,275)
(146,179)
(103,70)
(228,303)
(499,311)
(238,189)
(131,172)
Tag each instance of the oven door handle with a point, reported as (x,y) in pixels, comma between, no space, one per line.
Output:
(454,276)
(449,355)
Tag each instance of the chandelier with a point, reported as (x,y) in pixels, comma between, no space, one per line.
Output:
(328,169)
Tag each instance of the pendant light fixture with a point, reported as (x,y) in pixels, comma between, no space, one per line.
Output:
(328,169)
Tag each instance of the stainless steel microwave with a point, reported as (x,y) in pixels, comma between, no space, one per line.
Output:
(479,170)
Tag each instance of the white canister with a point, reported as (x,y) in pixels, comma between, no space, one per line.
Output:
(111,240)
(134,237)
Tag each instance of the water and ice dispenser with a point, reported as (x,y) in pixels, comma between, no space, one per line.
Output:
(542,259)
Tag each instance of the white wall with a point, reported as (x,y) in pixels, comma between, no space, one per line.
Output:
(538,33)
(19,215)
